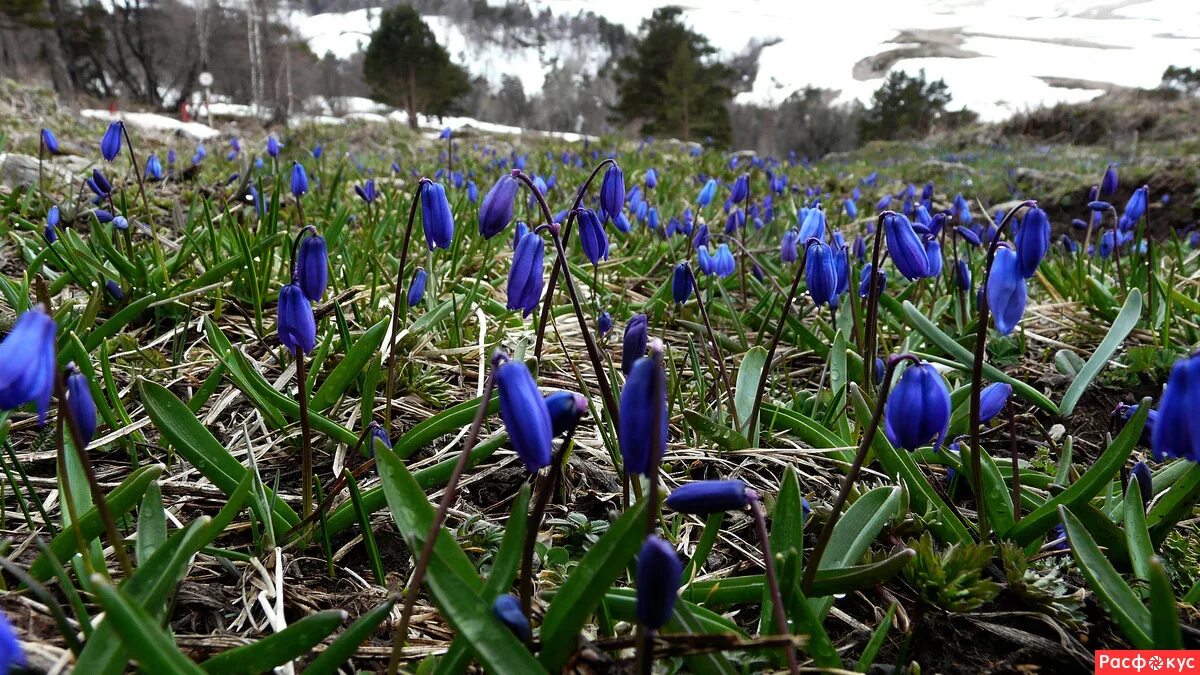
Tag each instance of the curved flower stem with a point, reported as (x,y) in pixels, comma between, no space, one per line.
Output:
(449,493)
(781,624)
(399,308)
(645,654)
(760,391)
(864,446)
(547,485)
(977,369)
(551,284)
(610,401)
(306,460)
(871,325)
(716,350)
(137,173)
(657,448)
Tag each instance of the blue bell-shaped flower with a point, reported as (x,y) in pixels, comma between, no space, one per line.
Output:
(918,408)
(525,276)
(1006,292)
(299,180)
(496,211)
(27,363)
(1177,429)
(659,572)
(819,272)
(1032,241)
(707,193)
(110,143)
(703,497)
(416,287)
(612,191)
(436,218)
(592,237)
(525,415)
(634,342)
(905,247)
(681,283)
(645,390)
(566,408)
(297,325)
(312,267)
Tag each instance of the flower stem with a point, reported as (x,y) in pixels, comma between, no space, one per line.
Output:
(449,493)
(306,460)
(1016,472)
(760,391)
(645,655)
(399,308)
(716,348)
(137,173)
(547,485)
(781,624)
(871,325)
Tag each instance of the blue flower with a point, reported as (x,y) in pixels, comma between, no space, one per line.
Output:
(592,237)
(851,208)
(918,409)
(154,168)
(864,281)
(993,399)
(525,415)
(933,256)
(416,288)
(1177,429)
(1006,293)
(1032,241)
(566,408)
(644,392)
(905,247)
(723,262)
(110,144)
(962,275)
(506,608)
(1135,208)
(1108,185)
(819,272)
(114,290)
(525,276)
(741,189)
(496,211)
(49,141)
(968,235)
(120,223)
(604,323)
(273,146)
(612,191)
(80,403)
(735,221)
(681,283)
(472,191)
(701,239)
(366,191)
(813,225)
(436,218)
(10,648)
(317,151)
(707,193)
(1141,475)
(789,246)
(709,496)
(299,179)
(651,178)
(312,267)
(634,342)
(27,363)
(659,572)
(297,325)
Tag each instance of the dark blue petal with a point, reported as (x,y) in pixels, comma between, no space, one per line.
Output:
(659,572)
(526,417)
(709,496)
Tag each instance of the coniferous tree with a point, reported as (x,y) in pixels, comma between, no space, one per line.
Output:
(907,106)
(671,83)
(406,67)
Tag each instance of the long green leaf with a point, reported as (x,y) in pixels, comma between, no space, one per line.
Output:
(1124,324)
(1164,616)
(351,366)
(148,643)
(344,646)
(1122,603)
(1137,536)
(746,389)
(264,655)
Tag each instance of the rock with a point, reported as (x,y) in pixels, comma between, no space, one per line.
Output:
(21,171)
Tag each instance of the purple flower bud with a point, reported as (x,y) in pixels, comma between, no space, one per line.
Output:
(80,403)
(525,276)
(27,363)
(992,400)
(416,288)
(525,415)
(566,408)
(1006,292)
(436,218)
(1032,241)
(592,237)
(634,342)
(312,267)
(918,408)
(612,191)
(506,608)
(659,572)
(496,211)
(644,392)
(905,247)
(297,325)
(709,496)
(110,144)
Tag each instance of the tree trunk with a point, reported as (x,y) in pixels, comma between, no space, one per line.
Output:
(60,74)
(411,97)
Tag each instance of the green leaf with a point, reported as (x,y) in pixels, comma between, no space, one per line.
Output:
(149,644)
(351,366)
(265,655)
(996,493)
(114,324)
(855,531)
(120,501)
(725,437)
(451,576)
(152,523)
(805,428)
(1164,617)
(343,647)
(198,446)
(1122,603)
(1177,503)
(787,533)
(876,642)
(585,588)
(1141,551)
(1095,479)
(746,389)
(710,663)
(749,589)
(1124,324)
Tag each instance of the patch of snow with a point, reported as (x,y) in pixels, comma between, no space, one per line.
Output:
(156,122)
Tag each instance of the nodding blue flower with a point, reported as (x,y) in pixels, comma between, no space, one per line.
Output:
(317,151)
(566,408)
(992,400)
(1177,429)
(841,265)
(199,155)
(299,180)
(27,363)
(416,287)
(436,218)
(99,185)
(651,178)
(735,221)
(1108,185)
(506,608)
(740,189)
(705,262)
(1125,412)
(864,281)
(604,323)
(851,208)
(612,191)
(933,256)
(273,146)
(366,191)
(377,434)
(905,247)
(860,248)
(171,157)
(968,235)
(445,133)
(1135,208)
(110,144)
(1097,205)
(709,496)
(592,237)
(644,394)
(312,267)
(496,211)
(652,219)
(1068,243)
(120,223)
(723,262)
(922,216)
(1107,243)
(962,275)
(525,276)
(526,417)
(962,210)
(259,206)
(102,216)
(813,225)
(472,192)
(634,342)
(11,655)
(51,229)
(918,409)
(80,403)
(707,193)
(701,239)
(819,272)
(297,325)
(1141,474)
(114,290)
(659,572)
(927,194)
(49,141)
(681,283)
(621,222)
(1006,292)
(154,168)
(789,246)
(884,202)
(1032,241)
